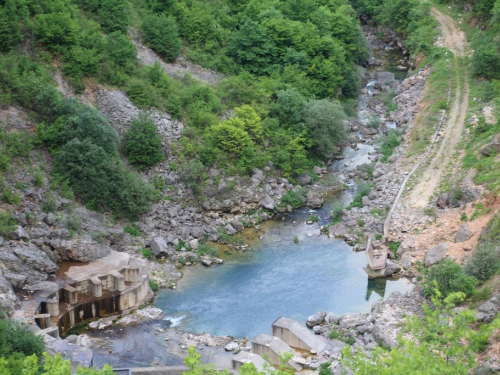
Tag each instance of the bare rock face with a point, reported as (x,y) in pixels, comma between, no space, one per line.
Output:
(435,254)
(8,299)
(25,265)
(80,249)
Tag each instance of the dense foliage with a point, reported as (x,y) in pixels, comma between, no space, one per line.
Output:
(448,277)
(142,143)
(84,145)
(280,57)
(439,349)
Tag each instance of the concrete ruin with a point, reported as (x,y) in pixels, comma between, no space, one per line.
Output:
(298,336)
(246,357)
(273,349)
(111,285)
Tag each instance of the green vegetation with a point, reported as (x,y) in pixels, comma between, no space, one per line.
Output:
(146,253)
(133,230)
(162,35)
(336,213)
(336,335)
(448,277)
(363,189)
(439,335)
(21,352)
(393,246)
(7,224)
(142,143)
(313,218)
(153,285)
(293,198)
(484,263)
(388,144)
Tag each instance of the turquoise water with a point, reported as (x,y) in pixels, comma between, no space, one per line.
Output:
(277,278)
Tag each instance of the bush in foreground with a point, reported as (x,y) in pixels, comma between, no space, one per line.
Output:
(484,263)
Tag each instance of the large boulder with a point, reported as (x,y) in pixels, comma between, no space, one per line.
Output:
(316,319)
(20,234)
(159,247)
(35,258)
(304,179)
(314,200)
(267,202)
(491,148)
(435,254)
(463,233)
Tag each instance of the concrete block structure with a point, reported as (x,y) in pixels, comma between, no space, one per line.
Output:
(272,348)
(246,357)
(298,336)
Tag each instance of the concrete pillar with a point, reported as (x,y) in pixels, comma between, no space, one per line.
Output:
(42,320)
(118,281)
(70,295)
(52,307)
(96,285)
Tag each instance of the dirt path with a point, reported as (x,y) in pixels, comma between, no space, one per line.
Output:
(455,41)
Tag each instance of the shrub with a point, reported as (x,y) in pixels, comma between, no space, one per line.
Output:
(147,253)
(7,224)
(142,143)
(325,122)
(74,221)
(388,145)
(18,338)
(208,249)
(102,180)
(153,285)
(484,262)
(133,230)
(448,277)
(192,173)
(362,190)
(293,198)
(374,122)
(161,34)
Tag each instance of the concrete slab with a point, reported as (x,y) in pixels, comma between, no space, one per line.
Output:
(246,357)
(297,335)
(101,267)
(272,348)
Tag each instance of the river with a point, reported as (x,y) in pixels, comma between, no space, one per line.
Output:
(277,276)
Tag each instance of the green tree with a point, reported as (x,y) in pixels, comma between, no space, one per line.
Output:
(484,262)
(325,122)
(142,143)
(252,48)
(56,30)
(113,15)
(80,122)
(230,137)
(161,34)
(11,14)
(448,277)
(288,108)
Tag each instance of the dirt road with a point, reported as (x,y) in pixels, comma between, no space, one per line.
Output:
(455,41)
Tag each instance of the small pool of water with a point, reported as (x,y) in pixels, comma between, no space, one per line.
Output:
(251,290)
